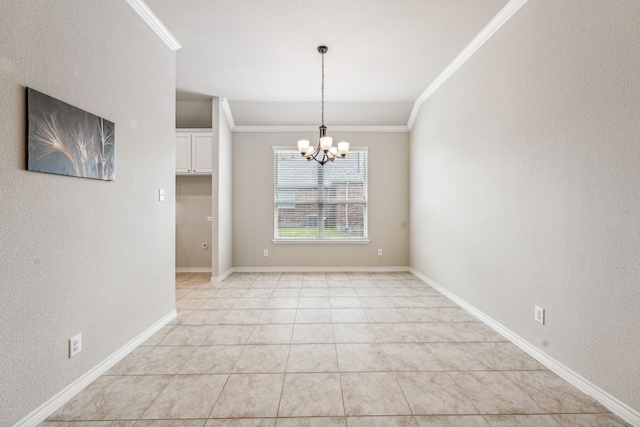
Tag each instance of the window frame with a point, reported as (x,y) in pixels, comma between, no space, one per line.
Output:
(364,239)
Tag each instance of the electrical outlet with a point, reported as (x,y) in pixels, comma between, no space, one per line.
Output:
(266,252)
(379,252)
(75,345)
(539,315)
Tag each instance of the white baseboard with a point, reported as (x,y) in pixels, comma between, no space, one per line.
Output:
(616,406)
(193,269)
(67,393)
(221,277)
(386,269)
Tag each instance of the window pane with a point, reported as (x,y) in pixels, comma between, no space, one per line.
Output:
(345,178)
(300,221)
(344,220)
(295,174)
(320,202)
(285,198)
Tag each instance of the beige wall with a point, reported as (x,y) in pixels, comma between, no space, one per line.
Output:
(193,206)
(525,181)
(194,113)
(218,187)
(81,255)
(194,194)
(253,204)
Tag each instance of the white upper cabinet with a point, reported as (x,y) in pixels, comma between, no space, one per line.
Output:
(193,152)
(183,152)
(201,153)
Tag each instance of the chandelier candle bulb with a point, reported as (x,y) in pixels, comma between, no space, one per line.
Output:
(303,146)
(309,152)
(326,142)
(343,148)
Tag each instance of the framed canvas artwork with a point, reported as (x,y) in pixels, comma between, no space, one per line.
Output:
(65,140)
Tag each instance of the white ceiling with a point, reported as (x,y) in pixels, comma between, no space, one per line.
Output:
(261,54)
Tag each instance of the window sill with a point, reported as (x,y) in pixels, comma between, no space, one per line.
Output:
(319,242)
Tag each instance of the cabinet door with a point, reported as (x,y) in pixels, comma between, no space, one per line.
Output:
(201,158)
(183,153)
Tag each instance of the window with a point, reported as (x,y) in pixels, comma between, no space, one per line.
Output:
(320,203)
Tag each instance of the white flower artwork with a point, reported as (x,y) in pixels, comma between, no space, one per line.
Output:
(65,140)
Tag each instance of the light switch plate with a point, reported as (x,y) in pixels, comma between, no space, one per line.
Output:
(161,195)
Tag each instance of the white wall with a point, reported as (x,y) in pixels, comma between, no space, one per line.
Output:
(525,183)
(193,206)
(80,255)
(224,168)
(215,190)
(253,204)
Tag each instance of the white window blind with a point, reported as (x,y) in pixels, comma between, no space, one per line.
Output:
(314,202)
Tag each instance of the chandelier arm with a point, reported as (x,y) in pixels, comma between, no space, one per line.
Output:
(321,157)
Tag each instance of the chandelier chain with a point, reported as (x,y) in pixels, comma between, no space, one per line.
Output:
(323,89)
(325,151)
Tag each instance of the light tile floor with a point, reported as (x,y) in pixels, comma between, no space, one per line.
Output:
(335,349)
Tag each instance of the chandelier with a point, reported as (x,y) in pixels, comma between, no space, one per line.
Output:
(325,151)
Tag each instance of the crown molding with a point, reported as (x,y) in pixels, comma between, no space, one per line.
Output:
(267,129)
(154,23)
(227,113)
(494,25)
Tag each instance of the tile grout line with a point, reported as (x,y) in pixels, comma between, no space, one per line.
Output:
(284,375)
(395,375)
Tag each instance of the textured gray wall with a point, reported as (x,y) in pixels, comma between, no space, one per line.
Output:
(80,255)
(525,183)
